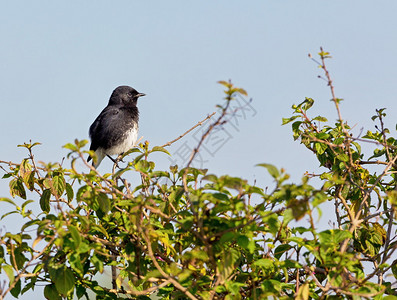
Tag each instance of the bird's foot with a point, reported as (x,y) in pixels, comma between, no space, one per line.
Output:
(115,161)
(120,158)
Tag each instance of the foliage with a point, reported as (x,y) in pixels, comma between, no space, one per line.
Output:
(185,233)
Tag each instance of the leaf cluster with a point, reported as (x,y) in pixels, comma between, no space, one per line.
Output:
(185,233)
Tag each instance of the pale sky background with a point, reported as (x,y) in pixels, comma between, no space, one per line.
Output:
(59,63)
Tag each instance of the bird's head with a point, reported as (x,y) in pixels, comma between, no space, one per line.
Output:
(125,95)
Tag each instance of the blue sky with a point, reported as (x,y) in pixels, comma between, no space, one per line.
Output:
(59,63)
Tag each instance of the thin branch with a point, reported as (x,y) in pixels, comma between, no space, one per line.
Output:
(377,214)
(16,165)
(31,156)
(331,86)
(375,162)
(337,213)
(388,235)
(182,135)
(203,137)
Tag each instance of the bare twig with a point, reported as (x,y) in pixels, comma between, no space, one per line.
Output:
(16,165)
(377,214)
(331,86)
(387,242)
(203,137)
(375,162)
(31,156)
(337,213)
(182,135)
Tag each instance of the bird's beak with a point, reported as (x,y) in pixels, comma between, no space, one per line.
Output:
(141,95)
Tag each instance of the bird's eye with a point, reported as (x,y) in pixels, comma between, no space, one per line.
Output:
(129,94)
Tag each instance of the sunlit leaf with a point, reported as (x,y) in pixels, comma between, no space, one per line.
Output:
(273,171)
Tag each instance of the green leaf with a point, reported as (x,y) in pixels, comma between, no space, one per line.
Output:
(28,145)
(75,236)
(341,235)
(160,149)
(211,178)
(104,203)
(265,263)
(339,140)
(273,223)
(280,250)
(26,203)
(295,129)
(7,200)
(45,200)
(246,243)
(17,188)
(176,195)
(70,146)
(69,192)
(98,263)
(234,288)
(30,223)
(64,280)
(20,258)
(322,136)
(7,214)
(9,272)
(226,264)
(332,237)
(75,263)
(272,286)
(394,268)
(320,148)
(320,119)
(58,184)
(16,290)
(273,171)
(100,229)
(343,157)
(308,103)
(142,166)
(28,179)
(233,182)
(288,120)
(227,237)
(81,291)
(319,198)
(51,293)
(225,83)
(243,241)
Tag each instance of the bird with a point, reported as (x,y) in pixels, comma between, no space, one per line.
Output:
(115,130)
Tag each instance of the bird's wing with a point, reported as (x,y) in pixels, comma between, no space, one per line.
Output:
(101,130)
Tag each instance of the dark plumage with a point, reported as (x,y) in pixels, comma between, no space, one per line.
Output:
(115,130)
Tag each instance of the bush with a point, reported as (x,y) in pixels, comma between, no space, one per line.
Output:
(185,233)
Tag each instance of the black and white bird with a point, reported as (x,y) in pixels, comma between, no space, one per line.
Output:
(115,130)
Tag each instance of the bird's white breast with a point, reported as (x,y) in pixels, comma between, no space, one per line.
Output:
(127,143)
